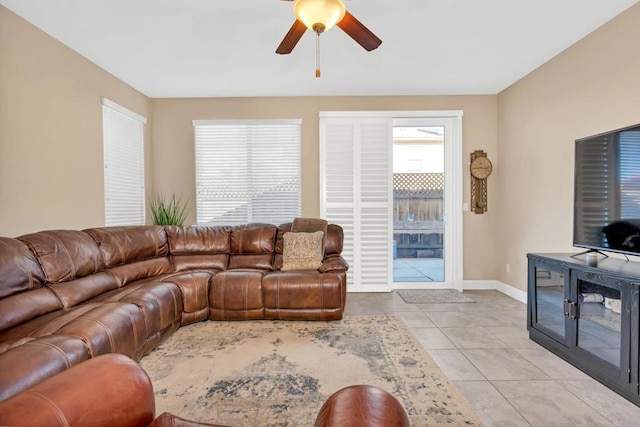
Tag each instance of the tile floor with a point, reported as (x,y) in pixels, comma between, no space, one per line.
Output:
(509,380)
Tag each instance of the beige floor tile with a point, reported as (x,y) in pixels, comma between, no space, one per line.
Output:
(551,364)
(393,308)
(514,337)
(613,407)
(504,364)
(531,396)
(501,318)
(433,339)
(442,306)
(415,319)
(452,319)
(547,403)
(456,366)
(490,406)
(362,309)
(474,337)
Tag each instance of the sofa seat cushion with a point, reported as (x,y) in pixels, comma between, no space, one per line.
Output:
(27,306)
(195,295)
(110,328)
(236,295)
(105,328)
(74,292)
(38,359)
(303,295)
(160,302)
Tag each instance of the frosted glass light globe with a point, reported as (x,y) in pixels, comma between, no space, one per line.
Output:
(324,12)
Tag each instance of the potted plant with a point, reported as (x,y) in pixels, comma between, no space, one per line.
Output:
(167,211)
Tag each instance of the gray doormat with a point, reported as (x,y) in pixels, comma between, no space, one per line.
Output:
(430,296)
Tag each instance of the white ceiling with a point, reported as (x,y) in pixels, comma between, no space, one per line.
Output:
(207,48)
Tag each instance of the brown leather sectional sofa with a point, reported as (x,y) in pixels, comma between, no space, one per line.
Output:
(67,296)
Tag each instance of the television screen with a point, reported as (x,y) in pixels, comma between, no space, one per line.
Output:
(607,191)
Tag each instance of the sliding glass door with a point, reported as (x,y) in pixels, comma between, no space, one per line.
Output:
(418,204)
(388,194)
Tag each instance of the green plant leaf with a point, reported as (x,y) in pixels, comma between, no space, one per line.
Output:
(167,211)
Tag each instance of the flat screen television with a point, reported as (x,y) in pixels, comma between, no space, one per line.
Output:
(607,191)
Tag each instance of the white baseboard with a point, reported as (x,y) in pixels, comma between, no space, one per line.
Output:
(470,285)
(497,285)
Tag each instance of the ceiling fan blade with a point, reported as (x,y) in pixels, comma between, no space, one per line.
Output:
(359,32)
(291,39)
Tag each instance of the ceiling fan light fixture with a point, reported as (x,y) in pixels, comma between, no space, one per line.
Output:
(319,15)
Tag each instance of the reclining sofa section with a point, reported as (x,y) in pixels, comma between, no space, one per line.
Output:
(67,296)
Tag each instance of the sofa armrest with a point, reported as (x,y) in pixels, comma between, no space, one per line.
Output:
(333,263)
(362,406)
(109,390)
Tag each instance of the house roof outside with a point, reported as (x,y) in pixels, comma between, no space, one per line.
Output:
(215,48)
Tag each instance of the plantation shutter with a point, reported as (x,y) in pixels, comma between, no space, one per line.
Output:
(123,146)
(629,181)
(355,158)
(247,171)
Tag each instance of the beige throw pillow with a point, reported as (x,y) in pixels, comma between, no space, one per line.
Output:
(302,251)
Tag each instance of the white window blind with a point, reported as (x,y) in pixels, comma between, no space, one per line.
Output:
(123,141)
(247,171)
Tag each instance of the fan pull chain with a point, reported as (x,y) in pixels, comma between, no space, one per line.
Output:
(318,55)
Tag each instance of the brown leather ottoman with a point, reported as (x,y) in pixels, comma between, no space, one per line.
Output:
(362,406)
(236,295)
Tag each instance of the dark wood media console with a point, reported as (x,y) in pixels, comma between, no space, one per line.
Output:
(589,315)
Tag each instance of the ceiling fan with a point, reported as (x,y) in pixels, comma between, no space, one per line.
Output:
(319,16)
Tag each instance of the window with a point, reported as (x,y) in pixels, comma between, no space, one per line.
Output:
(247,171)
(123,140)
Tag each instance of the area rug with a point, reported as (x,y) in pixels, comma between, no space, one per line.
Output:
(431,296)
(270,373)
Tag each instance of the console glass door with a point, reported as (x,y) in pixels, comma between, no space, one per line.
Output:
(551,303)
(600,321)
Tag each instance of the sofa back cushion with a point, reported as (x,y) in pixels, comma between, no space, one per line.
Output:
(22,296)
(72,263)
(133,253)
(333,242)
(64,254)
(252,246)
(199,247)
(19,268)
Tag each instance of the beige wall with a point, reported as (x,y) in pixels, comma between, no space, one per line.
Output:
(174,157)
(51,131)
(592,87)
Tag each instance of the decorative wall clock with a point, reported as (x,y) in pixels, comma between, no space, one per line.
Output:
(480,169)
